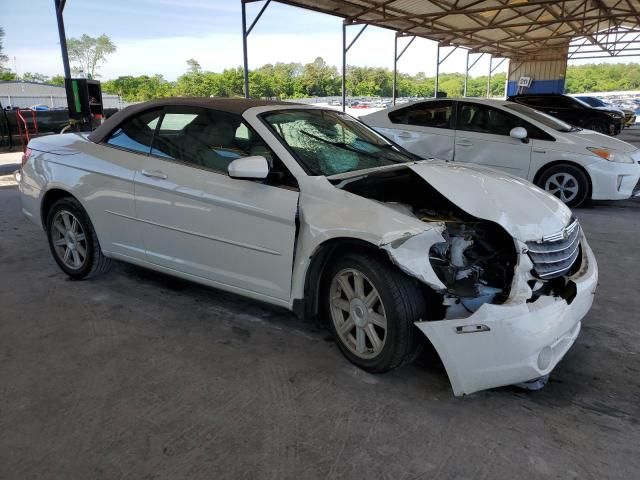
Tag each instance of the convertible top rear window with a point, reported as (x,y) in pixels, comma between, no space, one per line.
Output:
(326,142)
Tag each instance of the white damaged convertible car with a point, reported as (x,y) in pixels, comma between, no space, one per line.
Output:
(311,210)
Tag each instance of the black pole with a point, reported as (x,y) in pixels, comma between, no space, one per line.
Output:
(59,6)
(344,66)
(244,50)
(395,69)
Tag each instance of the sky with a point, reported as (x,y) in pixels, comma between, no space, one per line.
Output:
(158,36)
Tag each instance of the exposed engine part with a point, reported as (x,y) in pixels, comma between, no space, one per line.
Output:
(476,263)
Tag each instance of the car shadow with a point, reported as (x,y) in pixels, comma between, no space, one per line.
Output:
(249,310)
(602,204)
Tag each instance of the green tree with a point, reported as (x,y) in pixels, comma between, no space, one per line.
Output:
(319,79)
(34,77)
(7,75)
(194,66)
(293,80)
(602,77)
(141,88)
(3,57)
(89,52)
(56,80)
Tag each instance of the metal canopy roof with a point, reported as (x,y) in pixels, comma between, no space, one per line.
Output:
(503,28)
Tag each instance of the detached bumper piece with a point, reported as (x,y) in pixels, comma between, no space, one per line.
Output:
(556,254)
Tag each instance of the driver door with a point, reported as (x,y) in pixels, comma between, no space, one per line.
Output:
(238,234)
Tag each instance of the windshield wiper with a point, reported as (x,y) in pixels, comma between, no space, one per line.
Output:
(394,148)
(384,145)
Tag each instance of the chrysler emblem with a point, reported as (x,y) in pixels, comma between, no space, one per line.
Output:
(565,234)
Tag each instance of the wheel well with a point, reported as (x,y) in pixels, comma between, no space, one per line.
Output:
(51,197)
(309,306)
(595,120)
(540,172)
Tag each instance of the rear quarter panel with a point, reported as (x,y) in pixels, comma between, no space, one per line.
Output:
(99,177)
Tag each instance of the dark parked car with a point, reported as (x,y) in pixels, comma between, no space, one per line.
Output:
(595,102)
(574,112)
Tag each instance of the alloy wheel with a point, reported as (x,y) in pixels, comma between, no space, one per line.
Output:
(563,185)
(357,313)
(69,239)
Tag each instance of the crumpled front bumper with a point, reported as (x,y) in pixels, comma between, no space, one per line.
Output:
(511,343)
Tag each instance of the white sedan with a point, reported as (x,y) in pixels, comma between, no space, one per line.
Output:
(311,210)
(571,163)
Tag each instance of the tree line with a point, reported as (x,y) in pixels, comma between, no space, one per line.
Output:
(318,79)
(295,80)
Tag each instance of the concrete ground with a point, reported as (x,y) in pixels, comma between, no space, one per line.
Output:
(137,375)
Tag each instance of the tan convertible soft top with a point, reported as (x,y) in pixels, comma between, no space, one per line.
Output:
(231,105)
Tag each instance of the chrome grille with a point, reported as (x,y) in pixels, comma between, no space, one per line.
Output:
(556,254)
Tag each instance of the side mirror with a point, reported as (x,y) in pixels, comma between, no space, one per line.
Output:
(519,133)
(255,167)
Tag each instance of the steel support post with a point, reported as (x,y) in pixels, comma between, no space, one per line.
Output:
(489,77)
(394,93)
(469,67)
(435,91)
(245,56)
(344,67)
(345,49)
(59,6)
(397,57)
(440,62)
(466,75)
(245,35)
(493,69)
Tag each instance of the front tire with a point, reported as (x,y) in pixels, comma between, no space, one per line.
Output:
(372,308)
(73,241)
(597,126)
(567,182)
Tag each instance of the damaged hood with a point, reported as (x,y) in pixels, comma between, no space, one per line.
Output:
(522,209)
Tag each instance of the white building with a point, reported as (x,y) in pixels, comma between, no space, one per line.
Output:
(27,94)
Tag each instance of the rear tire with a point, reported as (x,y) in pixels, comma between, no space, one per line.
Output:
(567,182)
(73,241)
(372,307)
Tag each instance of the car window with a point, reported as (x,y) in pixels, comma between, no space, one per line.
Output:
(206,138)
(569,102)
(136,134)
(481,118)
(431,114)
(592,101)
(473,117)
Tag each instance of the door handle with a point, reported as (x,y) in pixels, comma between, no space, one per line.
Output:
(404,135)
(539,150)
(464,143)
(154,174)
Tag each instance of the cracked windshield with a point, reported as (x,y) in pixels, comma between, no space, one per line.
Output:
(329,143)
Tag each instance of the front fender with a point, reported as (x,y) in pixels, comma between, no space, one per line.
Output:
(322,218)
